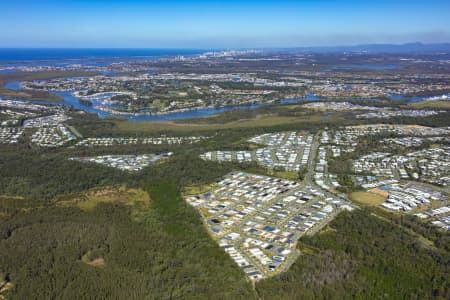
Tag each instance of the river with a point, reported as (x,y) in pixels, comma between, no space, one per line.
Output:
(70,100)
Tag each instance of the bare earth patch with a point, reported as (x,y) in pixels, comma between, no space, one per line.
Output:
(4,287)
(380,192)
(98,262)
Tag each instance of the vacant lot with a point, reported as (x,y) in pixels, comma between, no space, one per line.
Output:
(367,198)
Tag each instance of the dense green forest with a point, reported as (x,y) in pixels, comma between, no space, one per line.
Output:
(167,254)
(363,255)
(42,175)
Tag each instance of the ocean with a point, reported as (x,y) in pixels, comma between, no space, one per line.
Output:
(33,55)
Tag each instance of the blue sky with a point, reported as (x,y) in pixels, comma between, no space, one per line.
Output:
(220,24)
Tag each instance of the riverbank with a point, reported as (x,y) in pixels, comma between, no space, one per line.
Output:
(100,105)
(35,95)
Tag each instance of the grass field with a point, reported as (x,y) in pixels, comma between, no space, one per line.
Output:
(432,104)
(198,189)
(137,199)
(267,120)
(367,198)
(285,174)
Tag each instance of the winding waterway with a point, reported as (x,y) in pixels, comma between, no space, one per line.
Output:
(70,100)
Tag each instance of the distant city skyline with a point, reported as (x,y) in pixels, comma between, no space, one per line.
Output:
(221,24)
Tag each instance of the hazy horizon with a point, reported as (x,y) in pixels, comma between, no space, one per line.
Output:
(419,43)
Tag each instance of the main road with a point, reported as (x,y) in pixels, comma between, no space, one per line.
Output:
(310,172)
